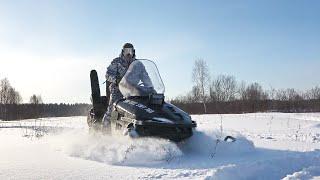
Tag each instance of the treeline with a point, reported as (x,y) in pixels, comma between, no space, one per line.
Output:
(30,111)
(224,94)
(242,106)
(12,109)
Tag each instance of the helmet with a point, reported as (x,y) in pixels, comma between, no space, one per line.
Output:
(128,49)
(127,45)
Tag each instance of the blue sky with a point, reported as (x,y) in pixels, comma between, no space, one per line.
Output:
(275,43)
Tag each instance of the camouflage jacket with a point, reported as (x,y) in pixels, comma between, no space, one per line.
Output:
(117,69)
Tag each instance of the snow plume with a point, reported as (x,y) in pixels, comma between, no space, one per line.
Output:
(211,143)
(118,150)
(122,150)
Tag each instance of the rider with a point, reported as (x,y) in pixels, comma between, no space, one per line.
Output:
(114,74)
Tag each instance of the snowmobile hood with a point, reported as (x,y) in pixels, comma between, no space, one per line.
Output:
(165,113)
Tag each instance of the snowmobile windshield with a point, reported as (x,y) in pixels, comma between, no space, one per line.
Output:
(141,79)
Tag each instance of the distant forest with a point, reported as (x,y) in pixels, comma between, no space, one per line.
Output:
(12,109)
(30,111)
(224,94)
(208,95)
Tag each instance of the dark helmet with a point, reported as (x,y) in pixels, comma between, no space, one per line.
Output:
(128,46)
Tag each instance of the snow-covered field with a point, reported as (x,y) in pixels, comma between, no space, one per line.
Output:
(268,146)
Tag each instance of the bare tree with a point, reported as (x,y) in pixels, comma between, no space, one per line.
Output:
(201,78)
(4,91)
(314,93)
(194,95)
(34,99)
(293,95)
(272,93)
(8,95)
(14,96)
(255,92)
(289,94)
(242,90)
(281,95)
(216,89)
(223,88)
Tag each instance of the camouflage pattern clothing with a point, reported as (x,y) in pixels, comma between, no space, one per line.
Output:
(114,74)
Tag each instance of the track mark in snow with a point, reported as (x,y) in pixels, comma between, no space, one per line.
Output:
(274,168)
(178,174)
(305,173)
(207,143)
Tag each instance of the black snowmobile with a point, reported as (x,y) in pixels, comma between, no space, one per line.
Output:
(142,111)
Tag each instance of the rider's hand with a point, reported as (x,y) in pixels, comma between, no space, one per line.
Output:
(147,90)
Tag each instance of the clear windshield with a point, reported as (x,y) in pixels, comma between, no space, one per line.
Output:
(141,79)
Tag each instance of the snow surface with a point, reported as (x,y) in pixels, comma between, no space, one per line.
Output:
(268,146)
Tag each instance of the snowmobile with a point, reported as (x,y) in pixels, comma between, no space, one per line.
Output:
(142,111)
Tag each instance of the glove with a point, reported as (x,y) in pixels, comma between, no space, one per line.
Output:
(147,90)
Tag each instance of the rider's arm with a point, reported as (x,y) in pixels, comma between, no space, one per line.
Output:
(112,71)
(146,79)
(144,76)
